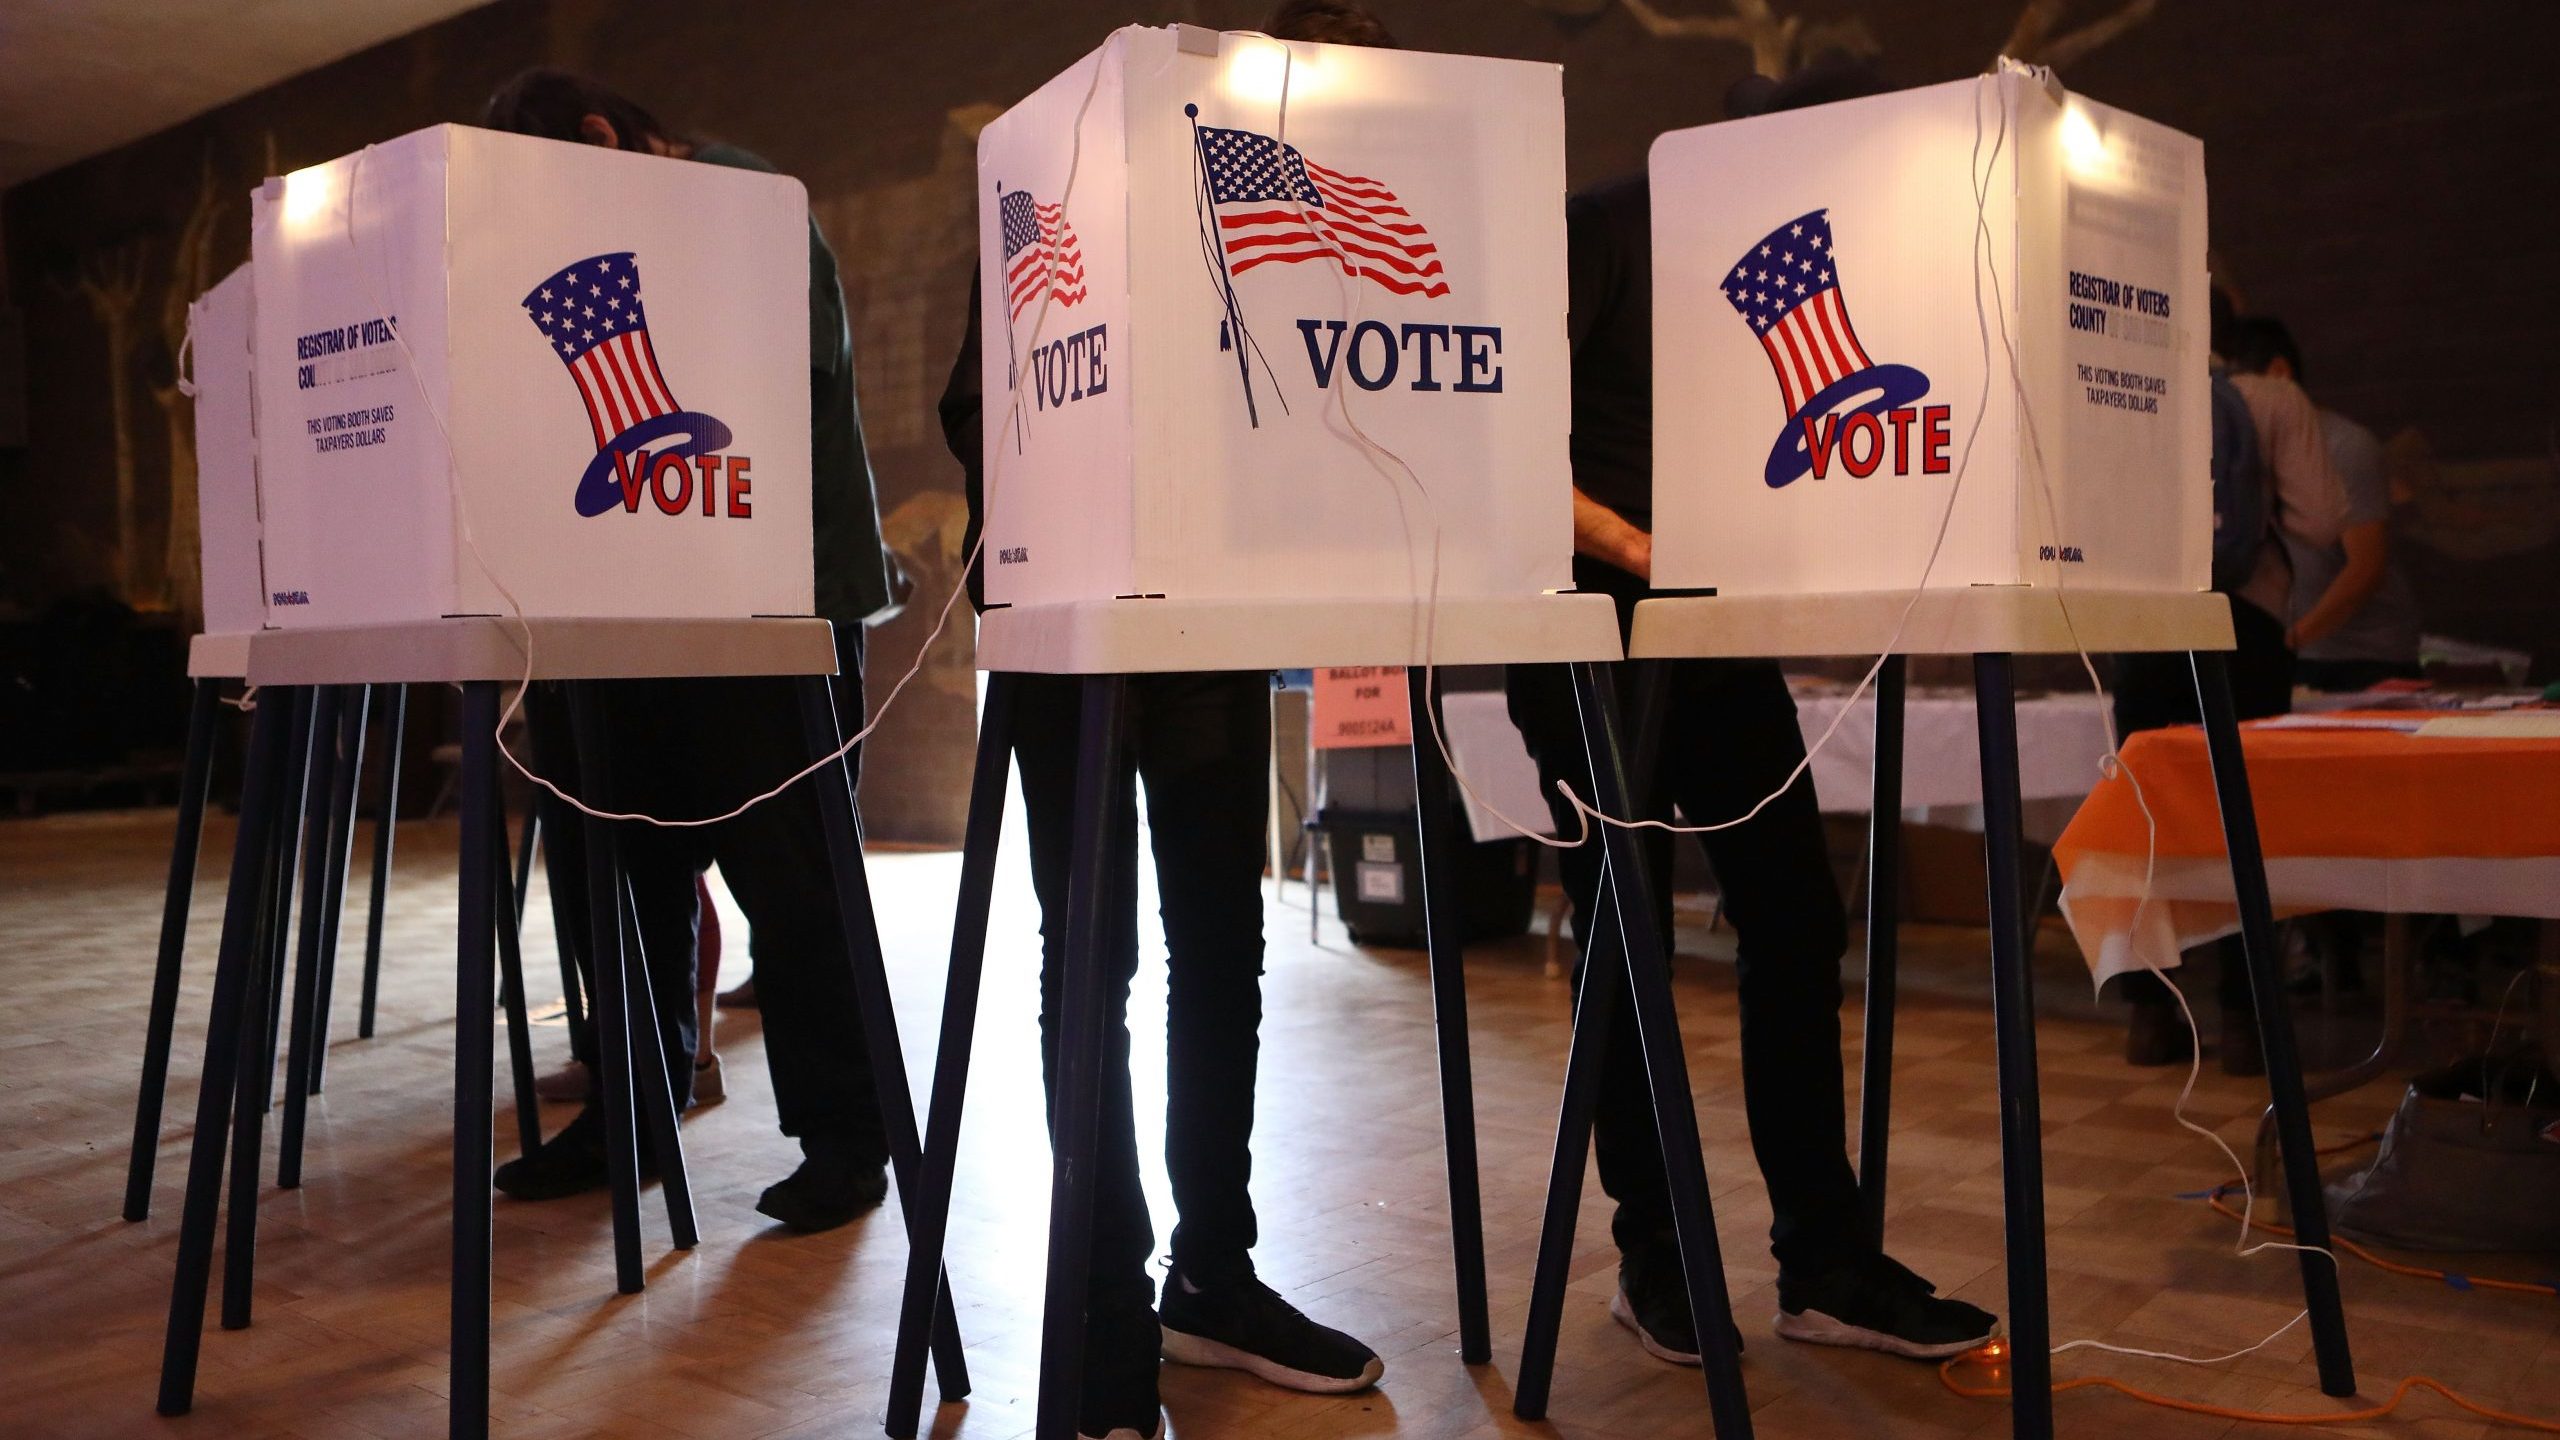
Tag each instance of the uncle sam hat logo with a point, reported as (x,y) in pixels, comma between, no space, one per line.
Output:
(590,312)
(1787,289)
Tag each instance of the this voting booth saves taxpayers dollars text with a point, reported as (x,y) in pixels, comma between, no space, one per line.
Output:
(1229,284)
(219,332)
(616,346)
(1819,366)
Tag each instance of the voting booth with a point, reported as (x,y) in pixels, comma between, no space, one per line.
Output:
(500,374)
(1211,263)
(1819,362)
(219,332)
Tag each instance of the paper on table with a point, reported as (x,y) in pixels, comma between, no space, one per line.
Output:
(2410,726)
(2514,725)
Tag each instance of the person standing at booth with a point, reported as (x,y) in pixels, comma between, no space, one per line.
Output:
(1202,745)
(1729,737)
(686,748)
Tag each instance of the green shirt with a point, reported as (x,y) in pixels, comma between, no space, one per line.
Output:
(852,567)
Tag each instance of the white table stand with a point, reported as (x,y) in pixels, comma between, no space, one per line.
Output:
(298,672)
(1991,624)
(1106,642)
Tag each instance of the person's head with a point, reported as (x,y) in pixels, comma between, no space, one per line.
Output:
(1328,22)
(2226,313)
(2261,345)
(563,105)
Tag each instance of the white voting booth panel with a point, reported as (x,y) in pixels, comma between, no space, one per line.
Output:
(1819,365)
(605,459)
(1200,317)
(219,329)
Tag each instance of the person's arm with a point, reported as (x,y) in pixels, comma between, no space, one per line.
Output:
(1605,536)
(2368,547)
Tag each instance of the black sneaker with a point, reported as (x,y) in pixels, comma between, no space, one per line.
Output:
(569,1163)
(1120,1400)
(1245,1325)
(1873,1303)
(834,1186)
(1653,1303)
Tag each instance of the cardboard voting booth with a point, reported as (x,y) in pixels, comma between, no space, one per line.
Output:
(1208,261)
(1819,366)
(490,366)
(219,330)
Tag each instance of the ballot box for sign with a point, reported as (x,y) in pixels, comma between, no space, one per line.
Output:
(1825,287)
(498,374)
(1211,264)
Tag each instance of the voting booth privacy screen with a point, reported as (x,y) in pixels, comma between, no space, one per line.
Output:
(1819,364)
(616,345)
(1196,322)
(219,329)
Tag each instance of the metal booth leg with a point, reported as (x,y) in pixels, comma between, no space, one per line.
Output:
(2275,1024)
(328,769)
(385,830)
(243,921)
(2013,1014)
(928,1206)
(203,710)
(511,984)
(1675,1114)
(1884,944)
(1444,929)
(255,1090)
(824,734)
(1076,1113)
(342,841)
(475,977)
(612,1013)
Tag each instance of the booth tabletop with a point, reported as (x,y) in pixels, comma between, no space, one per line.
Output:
(1153,635)
(2351,818)
(494,648)
(1971,620)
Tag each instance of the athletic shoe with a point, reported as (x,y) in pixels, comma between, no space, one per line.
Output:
(833,1186)
(569,1163)
(1119,1399)
(1245,1325)
(1872,1303)
(1653,1303)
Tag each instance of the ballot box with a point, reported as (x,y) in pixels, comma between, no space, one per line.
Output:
(503,375)
(219,327)
(1834,324)
(1267,321)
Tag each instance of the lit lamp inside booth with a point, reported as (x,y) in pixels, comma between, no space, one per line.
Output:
(308,197)
(1261,71)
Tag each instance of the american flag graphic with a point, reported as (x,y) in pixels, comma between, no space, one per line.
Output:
(590,312)
(1039,245)
(1275,206)
(1787,288)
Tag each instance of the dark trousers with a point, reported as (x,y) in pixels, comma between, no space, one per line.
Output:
(1729,738)
(1202,743)
(2156,691)
(686,748)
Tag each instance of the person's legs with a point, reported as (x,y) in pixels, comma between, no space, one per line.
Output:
(709,1085)
(1122,1341)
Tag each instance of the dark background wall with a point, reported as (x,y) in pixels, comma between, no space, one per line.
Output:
(2380,177)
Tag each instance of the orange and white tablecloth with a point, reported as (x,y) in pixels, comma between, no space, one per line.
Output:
(2350,819)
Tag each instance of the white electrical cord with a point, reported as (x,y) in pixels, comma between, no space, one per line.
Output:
(462,520)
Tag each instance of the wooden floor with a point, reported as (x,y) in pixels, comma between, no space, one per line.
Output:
(762,1333)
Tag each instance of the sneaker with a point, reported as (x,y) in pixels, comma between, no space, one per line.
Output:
(1873,1303)
(743,997)
(833,1186)
(709,1087)
(1245,1325)
(1652,1301)
(569,1163)
(1119,1400)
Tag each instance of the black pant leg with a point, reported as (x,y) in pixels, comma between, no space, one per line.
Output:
(1203,749)
(1736,740)
(1119,1292)
(564,841)
(1625,1142)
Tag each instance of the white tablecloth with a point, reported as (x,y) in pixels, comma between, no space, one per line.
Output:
(2060,740)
